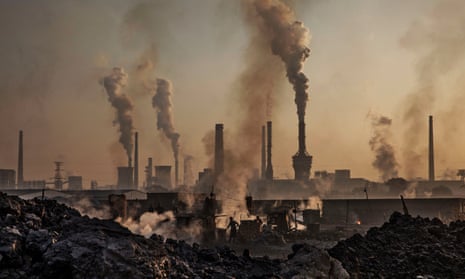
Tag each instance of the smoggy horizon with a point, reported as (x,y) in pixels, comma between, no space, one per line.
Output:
(211,62)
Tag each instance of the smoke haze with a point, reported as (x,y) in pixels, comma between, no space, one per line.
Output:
(53,52)
(440,38)
(380,143)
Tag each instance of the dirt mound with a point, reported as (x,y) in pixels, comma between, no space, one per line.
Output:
(405,247)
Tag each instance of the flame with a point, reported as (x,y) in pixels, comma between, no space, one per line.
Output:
(358,222)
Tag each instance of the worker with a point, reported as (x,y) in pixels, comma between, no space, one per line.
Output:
(233,232)
(259,223)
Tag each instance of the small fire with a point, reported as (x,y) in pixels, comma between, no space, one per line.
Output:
(358,222)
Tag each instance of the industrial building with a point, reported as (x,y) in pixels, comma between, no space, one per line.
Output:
(7,179)
(344,199)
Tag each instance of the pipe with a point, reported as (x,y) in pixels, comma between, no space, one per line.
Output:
(269,166)
(136,161)
(20,160)
(219,151)
(263,153)
(431,151)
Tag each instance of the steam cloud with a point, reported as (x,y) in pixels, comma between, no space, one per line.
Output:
(161,101)
(114,84)
(385,161)
(288,39)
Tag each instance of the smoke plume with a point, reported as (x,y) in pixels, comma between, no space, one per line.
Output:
(385,160)
(288,39)
(272,26)
(114,84)
(440,37)
(161,101)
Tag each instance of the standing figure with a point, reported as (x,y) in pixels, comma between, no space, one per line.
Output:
(234,226)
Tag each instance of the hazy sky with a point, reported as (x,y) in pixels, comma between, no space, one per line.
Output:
(366,56)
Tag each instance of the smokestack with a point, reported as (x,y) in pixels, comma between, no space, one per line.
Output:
(20,160)
(263,153)
(431,150)
(136,160)
(301,161)
(269,166)
(148,173)
(219,151)
(176,172)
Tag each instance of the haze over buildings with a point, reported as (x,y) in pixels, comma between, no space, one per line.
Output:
(365,56)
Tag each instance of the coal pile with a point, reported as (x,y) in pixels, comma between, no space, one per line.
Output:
(45,239)
(405,247)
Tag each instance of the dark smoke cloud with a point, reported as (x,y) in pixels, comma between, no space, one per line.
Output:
(440,37)
(161,101)
(288,39)
(114,84)
(385,161)
(272,27)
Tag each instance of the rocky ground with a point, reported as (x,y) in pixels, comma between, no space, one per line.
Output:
(45,239)
(405,247)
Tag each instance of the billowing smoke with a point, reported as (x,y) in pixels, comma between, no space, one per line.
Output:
(385,160)
(86,207)
(163,224)
(150,223)
(114,84)
(161,101)
(440,38)
(289,40)
(272,26)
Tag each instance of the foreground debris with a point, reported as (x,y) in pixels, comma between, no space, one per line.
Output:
(405,247)
(45,239)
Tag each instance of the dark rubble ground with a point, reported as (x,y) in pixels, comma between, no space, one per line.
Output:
(45,239)
(405,247)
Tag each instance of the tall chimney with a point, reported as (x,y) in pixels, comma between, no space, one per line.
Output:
(431,150)
(301,161)
(148,173)
(219,152)
(263,153)
(269,166)
(176,172)
(136,160)
(20,160)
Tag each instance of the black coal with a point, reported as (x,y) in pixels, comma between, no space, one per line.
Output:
(405,247)
(45,239)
